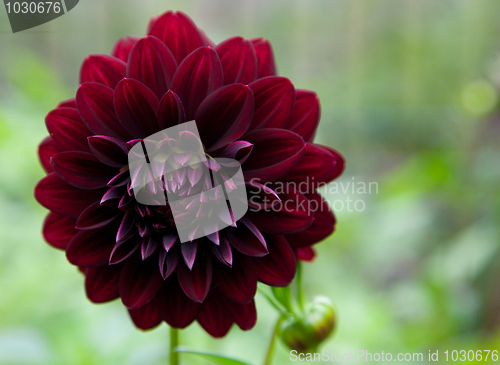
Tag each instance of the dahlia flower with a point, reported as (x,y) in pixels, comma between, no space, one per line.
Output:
(243,111)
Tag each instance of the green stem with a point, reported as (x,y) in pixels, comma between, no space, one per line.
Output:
(174,342)
(273,302)
(272,344)
(300,291)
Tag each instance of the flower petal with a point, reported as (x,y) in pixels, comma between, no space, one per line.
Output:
(70,103)
(175,307)
(244,315)
(67,129)
(316,167)
(103,69)
(136,107)
(91,248)
(238,59)
(306,254)
(223,251)
(188,250)
(96,216)
(238,283)
(101,283)
(274,102)
(95,104)
(277,268)
(239,150)
(265,57)
(247,239)
(109,150)
(306,114)
(214,317)
(82,169)
(322,227)
(58,230)
(293,214)
(46,150)
(230,108)
(178,32)
(139,282)
(196,282)
(123,250)
(170,111)
(275,152)
(340,166)
(196,78)
(152,63)
(146,317)
(123,47)
(60,197)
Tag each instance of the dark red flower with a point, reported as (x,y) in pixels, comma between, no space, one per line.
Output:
(243,111)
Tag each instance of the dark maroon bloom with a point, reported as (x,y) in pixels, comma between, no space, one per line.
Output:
(243,111)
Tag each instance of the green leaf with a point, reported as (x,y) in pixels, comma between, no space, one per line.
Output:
(211,356)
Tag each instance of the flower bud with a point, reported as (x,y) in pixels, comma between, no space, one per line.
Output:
(305,334)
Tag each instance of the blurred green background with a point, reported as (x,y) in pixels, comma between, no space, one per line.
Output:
(409,96)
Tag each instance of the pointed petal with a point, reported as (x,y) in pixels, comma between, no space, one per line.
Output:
(101,283)
(175,307)
(170,111)
(239,150)
(123,47)
(109,150)
(46,150)
(238,59)
(196,282)
(247,239)
(230,108)
(146,317)
(223,251)
(274,102)
(213,317)
(67,129)
(136,107)
(196,78)
(82,169)
(96,216)
(139,282)
(188,250)
(168,240)
(306,114)
(275,152)
(95,105)
(168,262)
(60,197)
(126,226)
(123,250)
(149,246)
(178,32)
(91,248)
(58,230)
(265,57)
(152,63)
(103,69)
(277,268)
